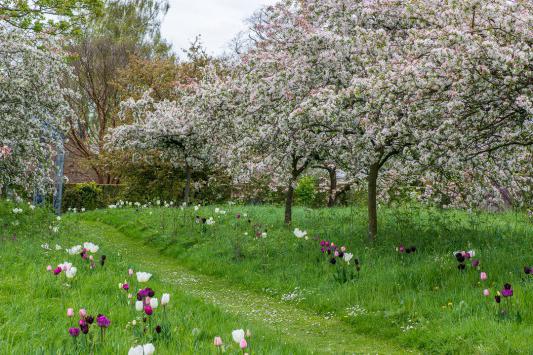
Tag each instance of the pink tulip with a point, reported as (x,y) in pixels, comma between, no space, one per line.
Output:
(49,268)
(483,276)
(243,344)
(130,272)
(486,292)
(83,313)
(70,312)
(343,248)
(148,310)
(218,341)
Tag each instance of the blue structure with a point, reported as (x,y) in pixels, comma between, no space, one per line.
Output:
(38,198)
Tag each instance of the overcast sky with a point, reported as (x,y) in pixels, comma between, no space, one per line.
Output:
(218,21)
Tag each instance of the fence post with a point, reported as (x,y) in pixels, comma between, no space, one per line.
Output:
(60,162)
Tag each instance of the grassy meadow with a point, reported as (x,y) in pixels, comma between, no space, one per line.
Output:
(250,271)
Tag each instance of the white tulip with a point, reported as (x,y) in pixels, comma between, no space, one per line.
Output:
(74,250)
(71,272)
(154,302)
(93,248)
(238,335)
(165,298)
(139,306)
(149,349)
(143,276)
(299,233)
(137,350)
(347,257)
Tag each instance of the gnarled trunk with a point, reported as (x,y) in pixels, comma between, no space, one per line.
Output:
(332,198)
(288,202)
(372,202)
(187,190)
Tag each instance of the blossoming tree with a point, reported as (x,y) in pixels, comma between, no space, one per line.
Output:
(33,108)
(435,82)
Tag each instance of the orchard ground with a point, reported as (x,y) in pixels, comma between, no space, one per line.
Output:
(248,270)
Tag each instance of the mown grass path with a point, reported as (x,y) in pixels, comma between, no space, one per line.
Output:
(315,333)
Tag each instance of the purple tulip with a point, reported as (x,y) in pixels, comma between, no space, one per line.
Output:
(401,249)
(103,321)
(475,263)
(57,270)
(507,293)
(125,287)
(74,331)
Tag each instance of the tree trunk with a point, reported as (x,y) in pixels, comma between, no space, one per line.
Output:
(288,202)
(332,187)
(187,191)
(372,205)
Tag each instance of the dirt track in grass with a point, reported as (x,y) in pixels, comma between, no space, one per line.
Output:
(315,333)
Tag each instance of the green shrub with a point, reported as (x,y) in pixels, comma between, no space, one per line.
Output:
(86,195)
(306,191)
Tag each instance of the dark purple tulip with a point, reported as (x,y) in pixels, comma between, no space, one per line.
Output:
(125,287)
(475,263)
(341,254)
(507,286)
(90,319)
(498,299)
(461,266)
(158,329)
(356,261)
(528,270)
(84,328)
(467,255)
(102,260)
(74,331)
(333,261)
(103,321)
(151,292)
(413,249)
(238,216)
(460,257)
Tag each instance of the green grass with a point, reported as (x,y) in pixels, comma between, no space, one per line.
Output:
(419,302)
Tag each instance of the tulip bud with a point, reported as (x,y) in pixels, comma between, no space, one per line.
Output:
(217,341)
